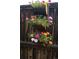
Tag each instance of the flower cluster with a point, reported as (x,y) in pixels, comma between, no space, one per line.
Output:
(44,38)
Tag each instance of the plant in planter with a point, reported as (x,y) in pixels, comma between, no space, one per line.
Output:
(46,39)
(39,21)
(38,4)
(43,38)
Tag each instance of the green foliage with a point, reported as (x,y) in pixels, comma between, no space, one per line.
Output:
(39,21)
(50,37)
(36,4)
(45,39)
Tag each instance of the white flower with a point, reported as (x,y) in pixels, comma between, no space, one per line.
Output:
(32,39)
(35,40)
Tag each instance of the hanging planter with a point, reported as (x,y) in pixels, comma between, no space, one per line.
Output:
(44,22)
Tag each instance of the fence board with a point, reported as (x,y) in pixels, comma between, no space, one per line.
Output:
(26,53)
(38,54)
(43,53)
(30,53)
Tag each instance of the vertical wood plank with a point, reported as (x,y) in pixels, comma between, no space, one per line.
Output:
(55,53)
(30,53)
(43,53)
(38,54)
(34,53)
(49,53)
(26,53)
(21,53)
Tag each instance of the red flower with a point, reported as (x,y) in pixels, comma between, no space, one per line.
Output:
(42,32)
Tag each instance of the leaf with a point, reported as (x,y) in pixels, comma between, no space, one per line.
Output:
(36,4)
(40,21)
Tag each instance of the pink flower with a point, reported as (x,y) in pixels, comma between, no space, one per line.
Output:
(27,18)
(50,18)
(37,36)
(50,21)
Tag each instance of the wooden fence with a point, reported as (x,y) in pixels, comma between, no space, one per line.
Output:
(29,51)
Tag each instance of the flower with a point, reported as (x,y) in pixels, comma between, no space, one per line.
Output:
(35,40)
(27,18)
(48,33)
(32,39)
(50,18)
(50,42)
(37,36)
(33,18)
(32,35)
(45,34)
(50,21)
(43,1)
(42,33)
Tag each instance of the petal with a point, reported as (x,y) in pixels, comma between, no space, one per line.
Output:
(32,39)
(36,40)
